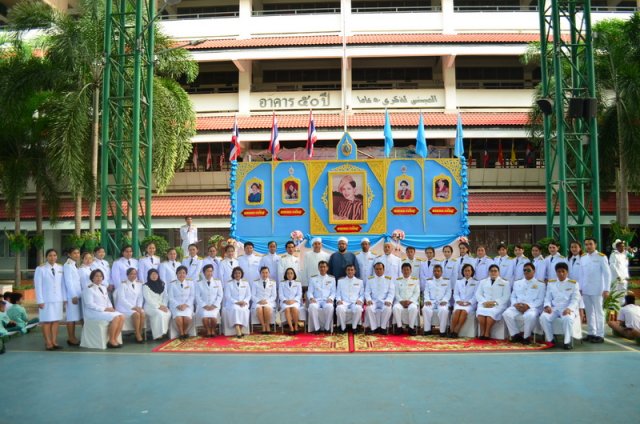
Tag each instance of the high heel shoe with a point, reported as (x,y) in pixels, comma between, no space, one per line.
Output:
(70,343)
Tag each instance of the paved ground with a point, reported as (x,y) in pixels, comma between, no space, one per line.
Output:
(132,385)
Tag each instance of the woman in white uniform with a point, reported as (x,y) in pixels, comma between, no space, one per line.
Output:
(84,270)
(150,261)
(129,300)
(120,267)
(50,296)
(209,296)
(155,304)
(98,307)
(181,299)
(464,297)
(237,294)
(263,298)
(73,290)
(290,293)
(493,295)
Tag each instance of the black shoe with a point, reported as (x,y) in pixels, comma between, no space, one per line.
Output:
(517,339)
(412,331)
(568,346)
(56,347)
(589,338)
(453,335)
(398,331)
(526,341)
(141,341)
(483,338)
(70,343)
(428,333)
(111,346)
(443,335)
(597,339)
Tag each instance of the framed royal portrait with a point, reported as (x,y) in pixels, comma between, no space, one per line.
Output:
(404,189)
(255,195)
(347,197)
(290,190)
(441,187)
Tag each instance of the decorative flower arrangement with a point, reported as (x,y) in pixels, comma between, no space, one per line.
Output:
(397,235)
(229,241)
(297,237)
(463,239)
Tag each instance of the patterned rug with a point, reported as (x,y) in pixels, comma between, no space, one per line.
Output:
(257,343)
(385,344)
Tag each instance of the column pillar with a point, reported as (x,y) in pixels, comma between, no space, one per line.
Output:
(244,26)
(449,78)
(245,74)
(448,18)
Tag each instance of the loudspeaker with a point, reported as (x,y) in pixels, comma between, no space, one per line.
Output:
(545,105)
(590,109)
(576,107)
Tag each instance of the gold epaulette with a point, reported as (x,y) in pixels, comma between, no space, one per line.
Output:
(552,281)
(572,281)
(601,254)
(414,278)
(371,276)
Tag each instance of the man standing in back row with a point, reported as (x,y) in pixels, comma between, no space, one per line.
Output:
(340,260)
(595,278)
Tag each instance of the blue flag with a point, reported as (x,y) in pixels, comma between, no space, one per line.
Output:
(388,138)
(458,149)
(421,140)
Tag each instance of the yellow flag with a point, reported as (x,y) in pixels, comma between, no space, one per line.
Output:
(514,160)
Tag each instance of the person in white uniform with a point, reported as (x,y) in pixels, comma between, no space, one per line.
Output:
(188,234)
(209,294)
(464,299)
(561,300)
(539,262)
(483,262)
(129,300)
(619,264)
(290,295)
(288,260)
(99,262)
(228,264)
(527,299)
(250,263)
(379,293)
(493,298)
(595,280)
(193,262)
(628,322)
(237,295)
(73,290)
(156,304)
(181,294)
(169,267)
(391,262)
(50,296)
(84,270)
(406,298)
(437,294)
(321,294)
(349,297)
(554,258)
(413,261)
(212,259)
(426,267)
(574,261)
(312,259)
(449,265)
(271,260)
(149,261)
(98,307)
(505,262)
(264,293)
(120,267)
(465,258)
(365,259)
(518,263)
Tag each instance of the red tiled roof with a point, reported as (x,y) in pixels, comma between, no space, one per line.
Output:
(367,39)
(480,203)
(376,120)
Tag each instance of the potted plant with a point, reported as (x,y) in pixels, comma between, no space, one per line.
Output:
(162,245)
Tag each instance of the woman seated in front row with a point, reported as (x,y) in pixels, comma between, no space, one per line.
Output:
(237,294)
(464,296)
(493,295)
(263,296)
(98,307)
(290,293)
(182,294)
(155,304)
(128,298)
(208,299)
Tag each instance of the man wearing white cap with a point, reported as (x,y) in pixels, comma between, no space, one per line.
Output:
(619,264)
(365,259)
(339,260)
(311,261)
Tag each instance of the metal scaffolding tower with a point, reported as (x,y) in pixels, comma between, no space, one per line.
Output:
(127,123)
(569,108)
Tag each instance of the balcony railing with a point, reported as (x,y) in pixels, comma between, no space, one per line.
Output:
(395,9)
(311,11)
(202,15)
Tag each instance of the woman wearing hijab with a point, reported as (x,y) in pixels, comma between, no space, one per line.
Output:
(156,303)
(129,300)
(493,295)
(181,299)
(290,294)
(98,307)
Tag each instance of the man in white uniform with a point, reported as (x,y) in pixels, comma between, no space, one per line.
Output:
(271,260)
(518,263)
(321,294)
(250,263)
(619,263)
(437,296)
(312,259)
(406,298)
(628,322)
(188,235)
(378,294)
(561,300)
(390,261)
(349,297)
(595,279)
(365,259)
(505,263)
(227,264)
(288,260)
(193,262)
(527,299)
(554,258)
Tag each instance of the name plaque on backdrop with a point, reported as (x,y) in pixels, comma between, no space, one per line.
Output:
(348,197)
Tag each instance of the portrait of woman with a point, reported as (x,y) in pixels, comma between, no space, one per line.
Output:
(441,189)
(404,186)
(254,190)
(291,190)
(347,195)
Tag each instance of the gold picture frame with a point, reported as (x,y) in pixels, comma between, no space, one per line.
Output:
(404,189)
(347,197)
(441,188)
(255,191)
(291,191)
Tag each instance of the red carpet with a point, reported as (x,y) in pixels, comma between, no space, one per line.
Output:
(257,343)
(338,343)
(383,344)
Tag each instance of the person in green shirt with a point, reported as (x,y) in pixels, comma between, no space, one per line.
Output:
(18,314)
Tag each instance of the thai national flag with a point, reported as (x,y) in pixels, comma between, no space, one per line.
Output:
(235,142)
(274,143)
(312,136)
